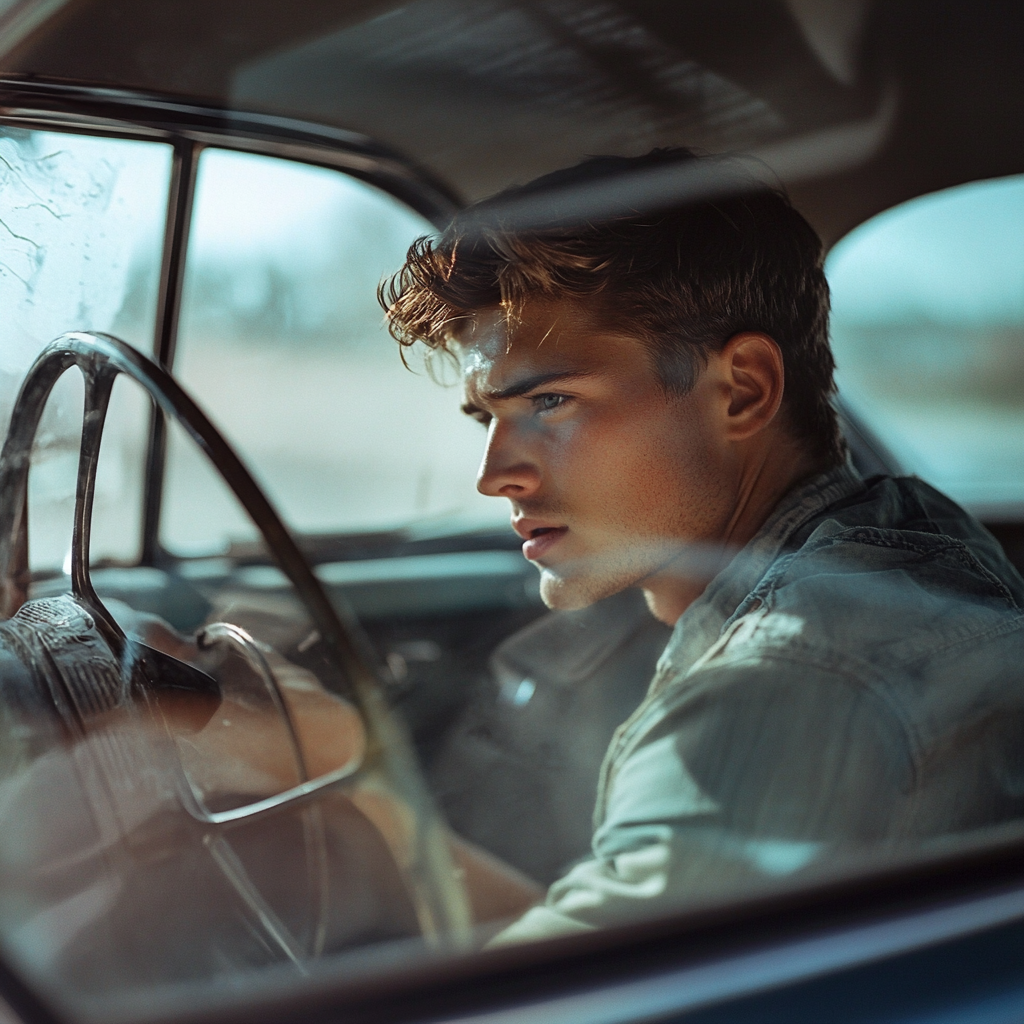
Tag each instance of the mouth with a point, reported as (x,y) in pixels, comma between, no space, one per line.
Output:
(540,539)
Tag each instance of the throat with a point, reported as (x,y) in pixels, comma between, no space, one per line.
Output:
(668,597)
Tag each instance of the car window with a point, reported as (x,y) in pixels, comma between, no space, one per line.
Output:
(928,333)
(282,341)
(81,238)
(228,775)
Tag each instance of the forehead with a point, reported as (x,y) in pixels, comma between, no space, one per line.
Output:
(545,336)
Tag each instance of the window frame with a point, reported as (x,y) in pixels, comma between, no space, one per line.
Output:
(190,128)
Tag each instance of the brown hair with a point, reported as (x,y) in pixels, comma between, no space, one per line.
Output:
(683,278)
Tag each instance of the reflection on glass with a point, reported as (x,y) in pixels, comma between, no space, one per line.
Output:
(217,757)
(105,846)
(282,342)
(81,236)
(928,330)
(238,794)
(837,698)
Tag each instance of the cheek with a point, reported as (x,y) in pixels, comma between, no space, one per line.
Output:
(695,462)
(656,471)
(667,471)
(590,456)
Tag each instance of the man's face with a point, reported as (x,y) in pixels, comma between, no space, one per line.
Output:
(608,476)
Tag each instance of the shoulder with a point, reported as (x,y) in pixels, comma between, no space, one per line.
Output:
(890,575)
(887,601)
(905,516)
(894,607)
(872,667)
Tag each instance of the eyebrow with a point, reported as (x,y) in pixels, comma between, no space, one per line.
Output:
(525,386)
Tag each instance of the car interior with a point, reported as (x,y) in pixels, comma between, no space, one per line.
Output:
(202,200)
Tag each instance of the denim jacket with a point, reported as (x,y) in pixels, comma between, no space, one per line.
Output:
(851,682)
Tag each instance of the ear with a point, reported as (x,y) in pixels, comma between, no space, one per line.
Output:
(752,373)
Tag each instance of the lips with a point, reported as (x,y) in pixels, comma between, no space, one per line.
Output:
(538,538)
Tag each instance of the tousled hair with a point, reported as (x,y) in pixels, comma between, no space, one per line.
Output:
(682,278)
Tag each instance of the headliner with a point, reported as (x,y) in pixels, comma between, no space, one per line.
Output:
(857,105)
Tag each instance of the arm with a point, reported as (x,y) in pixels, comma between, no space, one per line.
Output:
(331,734)
(750,774)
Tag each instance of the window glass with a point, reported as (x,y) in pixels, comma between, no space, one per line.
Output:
(265,806)
(183,800)
(81,222)
(283,344)
(928,331)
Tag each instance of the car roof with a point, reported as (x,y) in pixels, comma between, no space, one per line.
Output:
(857,105)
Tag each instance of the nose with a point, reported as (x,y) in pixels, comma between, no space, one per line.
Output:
(508,469)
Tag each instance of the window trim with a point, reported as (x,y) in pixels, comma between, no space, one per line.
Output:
(119,113)
(190,128)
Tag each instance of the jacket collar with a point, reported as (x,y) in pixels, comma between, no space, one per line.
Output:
(701,624)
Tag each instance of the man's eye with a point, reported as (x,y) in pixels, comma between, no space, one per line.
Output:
(547,402)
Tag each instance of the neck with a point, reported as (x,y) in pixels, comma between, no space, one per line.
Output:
(763,479)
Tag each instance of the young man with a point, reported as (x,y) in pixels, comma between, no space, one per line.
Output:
(656,390)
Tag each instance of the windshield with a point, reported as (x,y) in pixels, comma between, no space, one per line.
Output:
(83,222)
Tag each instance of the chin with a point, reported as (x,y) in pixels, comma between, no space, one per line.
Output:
(569,592)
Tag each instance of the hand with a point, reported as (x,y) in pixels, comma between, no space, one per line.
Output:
(243,747)
(330,730)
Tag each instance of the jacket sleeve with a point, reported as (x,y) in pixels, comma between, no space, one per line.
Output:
(748,772)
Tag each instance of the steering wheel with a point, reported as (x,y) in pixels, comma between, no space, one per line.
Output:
(69,656)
